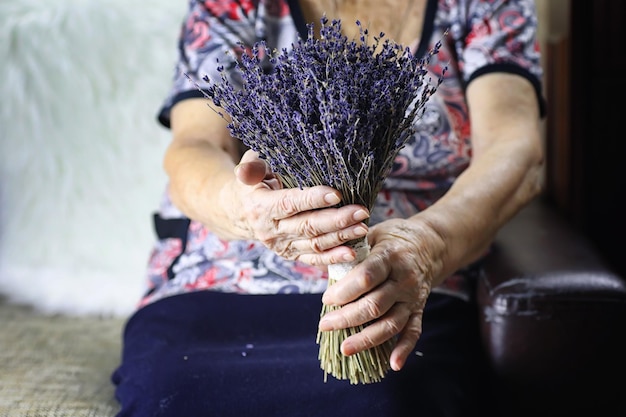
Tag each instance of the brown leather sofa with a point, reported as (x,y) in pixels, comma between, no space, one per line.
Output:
(553,316)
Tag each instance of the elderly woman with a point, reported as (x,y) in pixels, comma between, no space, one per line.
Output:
(238,273)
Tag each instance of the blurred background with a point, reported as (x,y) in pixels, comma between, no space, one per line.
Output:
(585,84)
(81,82)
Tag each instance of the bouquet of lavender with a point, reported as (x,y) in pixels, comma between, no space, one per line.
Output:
(331,112)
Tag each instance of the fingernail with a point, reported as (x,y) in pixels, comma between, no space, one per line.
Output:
(347,348)
(323,325)
(331,198)
(360,215)
(325,301)
(348,257)
(360,231)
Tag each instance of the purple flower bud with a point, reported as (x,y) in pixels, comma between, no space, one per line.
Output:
(329,111)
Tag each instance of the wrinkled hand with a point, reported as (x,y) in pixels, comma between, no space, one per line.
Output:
(389,288)
(296,224)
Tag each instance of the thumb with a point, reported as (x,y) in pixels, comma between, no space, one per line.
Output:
(251,169)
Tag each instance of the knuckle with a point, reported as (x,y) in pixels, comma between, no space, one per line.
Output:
(253,222)
(368,341)
(316,246)
(392,327)
(332,259)
(313,260)
(286,251)
(306,228)
(343,237)
(342,222)
(252,212)
(414,329)
(277,246)
(420,294)
(366,280)
(287,206)
(266,238)
(372,307)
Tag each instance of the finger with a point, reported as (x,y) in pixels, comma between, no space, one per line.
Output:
(406,342)
(367,275)
(332,256)
(380,331)
(308,230)
(295,200)
(251,170)
(326,228)
(322,243)
(374,305)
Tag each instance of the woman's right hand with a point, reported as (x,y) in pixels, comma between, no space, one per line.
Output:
(297,224)
(250,203)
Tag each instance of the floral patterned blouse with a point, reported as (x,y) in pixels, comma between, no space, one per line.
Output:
(484,36)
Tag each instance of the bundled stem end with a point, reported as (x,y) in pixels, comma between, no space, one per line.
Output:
(365,367)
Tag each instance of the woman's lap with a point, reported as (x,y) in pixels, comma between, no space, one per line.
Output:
(220,354)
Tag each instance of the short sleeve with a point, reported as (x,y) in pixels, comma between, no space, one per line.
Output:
(215,33)
(499,36)
(211,35)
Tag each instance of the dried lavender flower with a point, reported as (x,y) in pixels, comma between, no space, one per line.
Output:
(336,112)
(329,111)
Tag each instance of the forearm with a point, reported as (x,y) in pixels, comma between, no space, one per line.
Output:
(504,175)
(482,200)
(200,163)
(198,175)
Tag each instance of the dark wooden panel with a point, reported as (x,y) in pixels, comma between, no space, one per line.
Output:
(558,143)
(598,144)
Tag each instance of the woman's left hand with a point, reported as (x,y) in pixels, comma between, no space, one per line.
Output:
(389,289)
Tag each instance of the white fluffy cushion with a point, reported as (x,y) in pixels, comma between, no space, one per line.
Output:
(80,149)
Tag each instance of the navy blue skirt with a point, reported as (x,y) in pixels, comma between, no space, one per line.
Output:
(220,354)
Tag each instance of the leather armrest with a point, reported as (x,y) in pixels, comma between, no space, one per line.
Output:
(552,314)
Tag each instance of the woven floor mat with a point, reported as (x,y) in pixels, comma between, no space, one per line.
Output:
(57,366)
